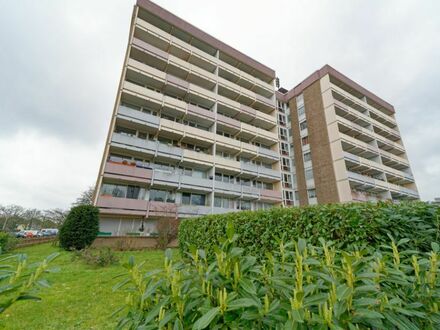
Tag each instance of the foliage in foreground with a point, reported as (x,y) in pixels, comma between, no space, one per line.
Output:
(101,257)
(300,286)
(20,280)
(347,224)
(80,228)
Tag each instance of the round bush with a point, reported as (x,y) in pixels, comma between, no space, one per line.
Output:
(80,228)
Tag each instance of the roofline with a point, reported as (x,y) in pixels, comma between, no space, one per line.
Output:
(327,69)
(199,34)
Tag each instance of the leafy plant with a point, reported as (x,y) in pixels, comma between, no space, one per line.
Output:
(97,257)
(297,286)
(348,225)
(7,242)
(80,228)
(19,281)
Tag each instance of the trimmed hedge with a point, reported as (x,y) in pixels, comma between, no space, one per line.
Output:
(347,225)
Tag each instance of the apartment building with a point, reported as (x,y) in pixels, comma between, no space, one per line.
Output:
(199,128)
(346,142)
(194,130)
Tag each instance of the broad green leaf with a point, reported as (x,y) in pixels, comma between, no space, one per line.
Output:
(206,319)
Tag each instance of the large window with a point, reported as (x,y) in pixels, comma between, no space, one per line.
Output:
(226,203)
(193,199)
(122,191)
(165,196)
(243,205)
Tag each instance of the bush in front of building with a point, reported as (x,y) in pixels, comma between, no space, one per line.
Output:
(296,286)
(7,242)
(80,227)
(348,225)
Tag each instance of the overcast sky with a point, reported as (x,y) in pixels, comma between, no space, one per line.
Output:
(60,63)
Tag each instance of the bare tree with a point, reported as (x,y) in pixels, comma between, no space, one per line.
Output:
(8,212)
(32,216)
(86,197)
(56,216)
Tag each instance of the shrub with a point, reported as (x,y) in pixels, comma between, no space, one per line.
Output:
(20,280)
(7,242)
(80,228)
(346,224)
(97,257)
(166,232)
(299,286)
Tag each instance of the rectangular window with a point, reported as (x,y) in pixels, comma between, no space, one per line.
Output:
(243,205)
(193,199)
(311,193)
(133,192)
(303,125)
(301,111)
(305,140)
(186,198)
(158,195)
(308,174)
(307,156)
(197,199)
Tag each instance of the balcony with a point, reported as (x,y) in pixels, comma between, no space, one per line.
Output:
(135,207)
(186,211)
(183,50)
(138,118)
(152,148)
(179,181)
(116,169)
(227,188)
(354,102)
(270,195)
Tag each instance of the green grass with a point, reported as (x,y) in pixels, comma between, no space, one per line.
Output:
(80,296)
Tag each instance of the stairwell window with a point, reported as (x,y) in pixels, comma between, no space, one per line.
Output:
(305,140)
(311,193)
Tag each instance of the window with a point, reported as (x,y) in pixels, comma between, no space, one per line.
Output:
(162,196)
(114,190)
(301,111)
(223,202)
(300,101)
(193,199)
(285,164)
(133,192)
(288,195)
(311,193)
(303,125)
(284,148)
(224,178)
(125,131)
(305,140)
(308,174)
(287,181)
(296,196)
(307,156)
(283,134)
(243,205)
(282,119)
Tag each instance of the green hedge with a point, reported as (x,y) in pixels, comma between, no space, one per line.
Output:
(345,224)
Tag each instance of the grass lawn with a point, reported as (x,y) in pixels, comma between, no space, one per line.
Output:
(80,296)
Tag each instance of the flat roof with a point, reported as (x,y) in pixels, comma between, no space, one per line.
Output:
(203,36)
(327,69)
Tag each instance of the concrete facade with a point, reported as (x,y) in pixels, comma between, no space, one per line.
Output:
(199,128)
